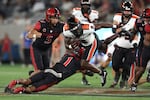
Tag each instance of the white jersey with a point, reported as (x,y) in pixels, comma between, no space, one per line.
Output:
(78,14)
(122,41)
(87,38)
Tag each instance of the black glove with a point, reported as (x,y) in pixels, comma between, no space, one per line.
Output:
(135,45)
(103,47)
(125,33)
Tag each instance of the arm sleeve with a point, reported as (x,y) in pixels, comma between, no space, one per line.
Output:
(147,28)
(37,26)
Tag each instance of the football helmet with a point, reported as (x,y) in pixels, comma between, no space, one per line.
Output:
(85,2)
(85,6)
(146,13)
(127,6)
(127,9)
(75,26)
(52,12)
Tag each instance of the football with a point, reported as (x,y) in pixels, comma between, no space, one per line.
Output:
(74,43)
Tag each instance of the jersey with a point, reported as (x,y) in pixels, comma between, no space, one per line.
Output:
(139,26)
(87,38)
(49,34)
(123,41)
(94,15)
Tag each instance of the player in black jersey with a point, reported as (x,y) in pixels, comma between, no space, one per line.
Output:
(40,81)
(143,48)
(68,65)
(44,33)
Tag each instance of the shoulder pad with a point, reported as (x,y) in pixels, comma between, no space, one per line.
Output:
(118,14)
(77,8)
(94,11)
(135,16)
(139,20)
(42,21)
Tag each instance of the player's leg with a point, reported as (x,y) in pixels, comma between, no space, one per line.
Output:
(129,59)
(38,85)
(24,82)
(37,60)
(141,69)
(116,63)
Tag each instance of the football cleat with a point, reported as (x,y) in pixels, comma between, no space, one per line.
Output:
(30,72)
(133,87)
(85,81)
(122,84)
(103,77)
(148,77)
(8,90)
(113,85)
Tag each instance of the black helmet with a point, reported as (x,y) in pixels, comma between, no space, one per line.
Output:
(85,2)
(127,5)
(75,26)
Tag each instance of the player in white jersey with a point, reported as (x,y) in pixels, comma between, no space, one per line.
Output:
(125,47)
(84,33)
(86,14)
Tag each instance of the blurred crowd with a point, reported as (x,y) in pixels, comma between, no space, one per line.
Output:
(26,11)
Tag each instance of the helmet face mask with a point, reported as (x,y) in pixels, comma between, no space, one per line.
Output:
(85,6)
(127,13)
(85,9)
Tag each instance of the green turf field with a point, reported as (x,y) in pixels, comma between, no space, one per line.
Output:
(8,73)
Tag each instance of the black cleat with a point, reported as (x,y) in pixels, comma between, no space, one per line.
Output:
(133,87)
(30,72)
(122,84)
(113,85)
(85,81)
(103,77)
(8,90)
(148,77)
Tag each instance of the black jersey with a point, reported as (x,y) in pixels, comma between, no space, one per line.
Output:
(140,28)
(49,34)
